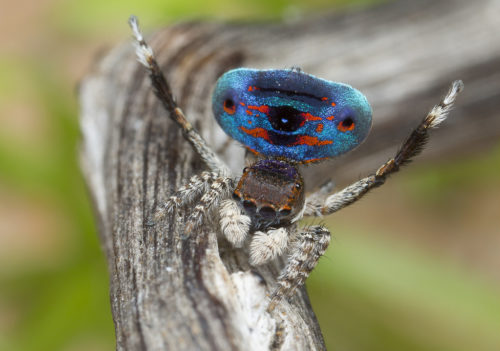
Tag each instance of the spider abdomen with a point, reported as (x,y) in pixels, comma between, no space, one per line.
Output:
(271,192)
(290,114)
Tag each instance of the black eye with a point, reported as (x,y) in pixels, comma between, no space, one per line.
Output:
(229,106)
(267,211)
(249,206)
(298,185)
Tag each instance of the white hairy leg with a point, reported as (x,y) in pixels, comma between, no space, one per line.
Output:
(219,189)
(187,194)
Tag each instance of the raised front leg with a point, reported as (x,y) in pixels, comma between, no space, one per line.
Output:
(163,92)
(410,148)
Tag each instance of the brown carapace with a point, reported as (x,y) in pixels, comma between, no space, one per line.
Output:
(271,192)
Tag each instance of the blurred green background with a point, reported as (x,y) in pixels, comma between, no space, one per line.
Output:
(427,279)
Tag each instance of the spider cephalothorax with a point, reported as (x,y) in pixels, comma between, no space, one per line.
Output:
(285,117)
(271,192)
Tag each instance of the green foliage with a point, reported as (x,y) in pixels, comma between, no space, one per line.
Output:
(74,16)
(55,305)
(442,183)
(372,293)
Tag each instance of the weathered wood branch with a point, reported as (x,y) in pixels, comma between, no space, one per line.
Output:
(169,293)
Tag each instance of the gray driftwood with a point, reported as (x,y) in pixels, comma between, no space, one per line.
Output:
(199,294)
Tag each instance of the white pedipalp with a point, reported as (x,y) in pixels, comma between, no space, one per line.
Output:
(234,224)
(267,245)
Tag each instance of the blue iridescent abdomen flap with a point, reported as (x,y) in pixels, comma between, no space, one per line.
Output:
(290,114)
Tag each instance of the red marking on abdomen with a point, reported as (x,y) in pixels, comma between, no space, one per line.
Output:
(301,139)
(324,98)
(261,108)
(315,159)
(252,151)
(256,132)
(330,118)
(344,128)
(249,112)
(309,117)
(319,128)
(311,141)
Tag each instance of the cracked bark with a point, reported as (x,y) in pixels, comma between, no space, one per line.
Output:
(169,293)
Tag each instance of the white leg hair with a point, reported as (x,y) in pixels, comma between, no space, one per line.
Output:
(267,245)
(187,194)
(219,189)
(234,224)
(317,206)
(321,194)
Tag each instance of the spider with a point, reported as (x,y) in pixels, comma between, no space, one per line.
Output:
(286,118)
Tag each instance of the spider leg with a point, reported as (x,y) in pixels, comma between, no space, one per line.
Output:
(187,194)
(267,245)
(410,148)
(162,90)
(233,222)
(220,188)
(309,245)
(322,193)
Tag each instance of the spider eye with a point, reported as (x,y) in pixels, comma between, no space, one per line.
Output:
(229,106)
(298,186)
(267,211)
(250,206)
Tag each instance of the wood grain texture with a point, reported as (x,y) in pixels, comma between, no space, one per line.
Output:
(169,293)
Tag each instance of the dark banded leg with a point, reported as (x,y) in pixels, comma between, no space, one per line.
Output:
(410,148)
(311,243)
(162,90)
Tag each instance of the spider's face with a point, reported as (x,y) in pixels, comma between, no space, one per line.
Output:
(271,192)
(290,114)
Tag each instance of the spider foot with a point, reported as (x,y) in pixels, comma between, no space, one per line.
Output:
(166,209)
